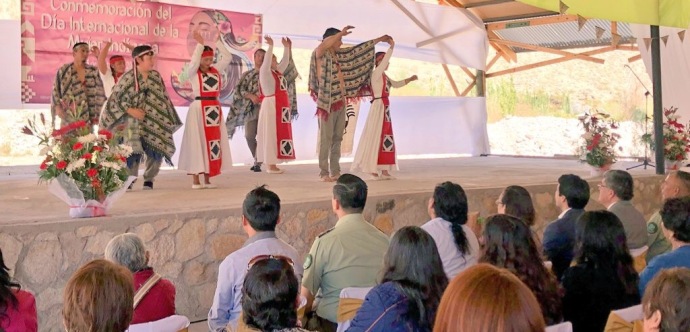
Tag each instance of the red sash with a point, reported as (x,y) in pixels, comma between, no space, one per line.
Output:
(387,145)
(212,115)
(286,148)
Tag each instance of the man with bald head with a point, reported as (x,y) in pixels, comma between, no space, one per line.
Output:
(676,185)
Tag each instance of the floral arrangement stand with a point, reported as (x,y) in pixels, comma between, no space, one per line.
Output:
(598,150)
(676,139)
(85,169)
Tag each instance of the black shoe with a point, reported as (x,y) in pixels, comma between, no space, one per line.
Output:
(148,185)
(256,168)
(131,185)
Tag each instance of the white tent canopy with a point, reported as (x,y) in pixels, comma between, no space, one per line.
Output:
(427,32)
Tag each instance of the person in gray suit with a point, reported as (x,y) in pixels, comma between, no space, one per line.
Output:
(571,197)
(615,193)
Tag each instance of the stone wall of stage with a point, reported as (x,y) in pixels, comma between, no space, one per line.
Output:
(188,247)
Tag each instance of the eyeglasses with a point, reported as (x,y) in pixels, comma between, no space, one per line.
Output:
(267,257)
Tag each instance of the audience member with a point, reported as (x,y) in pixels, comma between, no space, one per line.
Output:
(508,244)
(516,201)
(99,297)
(676,185)
(603,278)
(17,306)
(270,295)
(675,215)
(484,298)
(456,242)
(410,289)
(571,197)
(260,216)
(154,296)
(615,193)
(348,255)
(665,303)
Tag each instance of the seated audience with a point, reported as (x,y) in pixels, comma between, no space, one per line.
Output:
(98,298)
(603,277)
(456,242)
(484,298)
(17,306)
(675,216)
(571,197)
(665,303)
(508,244)
(516,201)
(156,295)
(347,255)
(615,193)
(675,185)
(411,286)
(270,295)
(260,216)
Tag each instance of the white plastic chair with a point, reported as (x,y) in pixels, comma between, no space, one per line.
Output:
(174,323)
(351,293)
(562,327)
(631,314)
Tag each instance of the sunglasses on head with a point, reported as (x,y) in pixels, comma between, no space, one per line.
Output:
(261,258)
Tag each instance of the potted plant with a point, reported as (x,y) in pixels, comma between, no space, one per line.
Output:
(86,170)
(676,139)
(599,141)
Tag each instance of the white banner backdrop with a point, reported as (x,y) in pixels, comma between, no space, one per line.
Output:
(422,126)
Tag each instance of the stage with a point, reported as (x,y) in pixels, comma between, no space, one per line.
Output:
(190,231)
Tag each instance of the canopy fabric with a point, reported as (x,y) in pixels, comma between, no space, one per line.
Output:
(461,36)
(675,67)
(669,13)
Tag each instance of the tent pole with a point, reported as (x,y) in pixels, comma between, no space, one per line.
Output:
(658,104)
(480,78)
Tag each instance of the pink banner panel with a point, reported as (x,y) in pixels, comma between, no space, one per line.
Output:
(51,27)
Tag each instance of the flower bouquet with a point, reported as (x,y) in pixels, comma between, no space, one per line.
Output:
(89,168)
(599,139)
(676,139)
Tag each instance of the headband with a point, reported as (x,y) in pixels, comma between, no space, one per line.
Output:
(79,44)
(116,58)
(208,53)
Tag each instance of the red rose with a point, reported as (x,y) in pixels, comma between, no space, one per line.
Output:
(108,135)
(77,146)
(92,173)
(97,149)
(44,165)
(61,164)
(80,124)
(86,156)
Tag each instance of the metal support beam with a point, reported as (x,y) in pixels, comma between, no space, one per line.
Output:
(532,22)
(481,83)
(658,103)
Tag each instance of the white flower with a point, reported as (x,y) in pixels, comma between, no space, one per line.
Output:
(602,145)
(77,164)
(125,150)
(86,139)
(112,165)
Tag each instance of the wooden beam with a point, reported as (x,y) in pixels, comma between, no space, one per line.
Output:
(532,22)
(547,62)
(547,50)
(614,29)
(486,3)
(634,58)
(453,3)
(440,37)
(468,89)
(508,54)
(520,17)
(412,17)
(468,72)
(493,61)
(451,80)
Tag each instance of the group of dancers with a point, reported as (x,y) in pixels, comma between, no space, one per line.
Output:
(136,103)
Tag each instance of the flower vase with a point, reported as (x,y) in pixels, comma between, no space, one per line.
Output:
(672,165)
(66,190)
(596,171)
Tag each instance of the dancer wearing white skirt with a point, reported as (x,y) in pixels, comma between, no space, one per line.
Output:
(274,131)
(376,148)
(205,147)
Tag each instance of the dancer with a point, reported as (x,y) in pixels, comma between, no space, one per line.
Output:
(274,132)
(78,83)
(376,149)
(205,148)
(335,75)
(139,101)
(110,70)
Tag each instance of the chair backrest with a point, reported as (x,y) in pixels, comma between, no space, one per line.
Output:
(351,298)
(174,323)
(562,327)
(628,319)
(631,314)
(639,258)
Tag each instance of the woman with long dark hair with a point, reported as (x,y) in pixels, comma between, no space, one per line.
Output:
(410,289)
(604,277)
(516,201)
(17,306)
(508,244)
